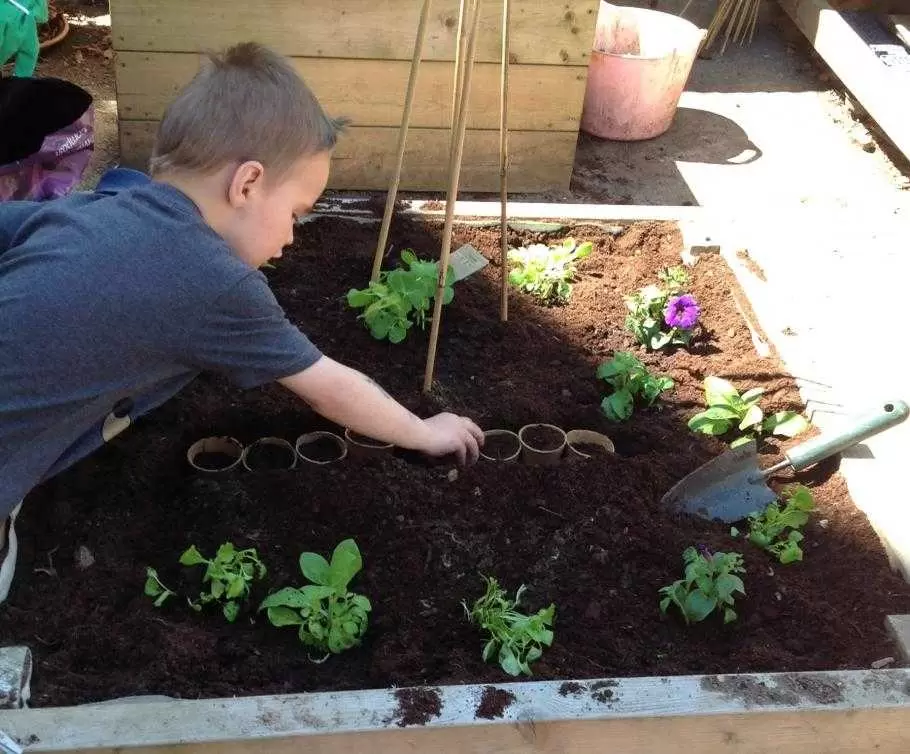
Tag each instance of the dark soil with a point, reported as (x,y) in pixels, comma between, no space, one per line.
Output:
(494,703)
(323,449)
(592,449)
(571,687)
(543,438)
(417,706)
(590,537)
(268,457)
(501,446)
(754,267)
(212,461)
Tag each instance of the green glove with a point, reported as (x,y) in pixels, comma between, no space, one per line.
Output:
(19,34)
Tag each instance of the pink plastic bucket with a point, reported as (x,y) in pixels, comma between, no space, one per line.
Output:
(639,66)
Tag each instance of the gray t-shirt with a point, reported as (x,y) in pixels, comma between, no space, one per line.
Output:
(120,299)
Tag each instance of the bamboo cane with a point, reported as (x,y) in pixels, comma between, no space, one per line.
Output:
(454,175)
(503,165)
(402,140)
(458,78)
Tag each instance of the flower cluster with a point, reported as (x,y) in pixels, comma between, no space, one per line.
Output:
(664,314)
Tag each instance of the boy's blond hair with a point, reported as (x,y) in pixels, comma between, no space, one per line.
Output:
(247,103)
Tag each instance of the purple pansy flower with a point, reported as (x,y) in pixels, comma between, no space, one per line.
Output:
(682,312)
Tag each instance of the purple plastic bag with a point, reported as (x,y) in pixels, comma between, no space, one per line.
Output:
(55,169)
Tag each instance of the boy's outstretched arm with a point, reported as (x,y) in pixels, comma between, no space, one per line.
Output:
(353,400)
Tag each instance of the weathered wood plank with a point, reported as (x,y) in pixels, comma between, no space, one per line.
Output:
(542,31)
(371,92)
(873,85)
(786,713)
(364,158)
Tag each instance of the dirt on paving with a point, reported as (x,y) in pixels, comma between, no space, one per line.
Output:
(589,535)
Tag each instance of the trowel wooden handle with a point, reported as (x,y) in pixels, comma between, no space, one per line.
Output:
(819,448)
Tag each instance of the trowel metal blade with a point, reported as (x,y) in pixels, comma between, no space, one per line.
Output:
(729,487)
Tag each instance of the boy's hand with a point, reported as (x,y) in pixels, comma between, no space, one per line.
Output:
(453,434)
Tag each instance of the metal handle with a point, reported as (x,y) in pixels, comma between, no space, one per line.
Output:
(819,448)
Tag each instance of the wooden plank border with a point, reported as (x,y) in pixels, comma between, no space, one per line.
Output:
(873,85)
(543,31)
(371,92)
(833,712)
(365,158)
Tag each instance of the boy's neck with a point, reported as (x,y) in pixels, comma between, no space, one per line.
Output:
(206,192)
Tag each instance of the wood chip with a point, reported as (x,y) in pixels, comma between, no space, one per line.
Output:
(882,663)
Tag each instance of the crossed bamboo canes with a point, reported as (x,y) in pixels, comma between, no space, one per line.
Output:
(465,49)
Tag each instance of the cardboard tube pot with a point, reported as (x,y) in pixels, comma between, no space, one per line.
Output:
(362,447)
(541,444)
(269,454)
(500,445)
(577,439)
(321,448)
(215,455)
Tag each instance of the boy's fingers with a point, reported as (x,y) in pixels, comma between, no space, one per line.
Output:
(472,447)
(476,432)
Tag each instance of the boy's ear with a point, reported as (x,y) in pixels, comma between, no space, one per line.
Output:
(247,178)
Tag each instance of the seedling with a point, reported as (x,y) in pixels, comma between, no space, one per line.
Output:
(328,616)
(400,298)
(547,271)
(709,584)
(728,410)
(516,639)
(230,575)
(631,383)
(663,315)
(766,529)
(154,587)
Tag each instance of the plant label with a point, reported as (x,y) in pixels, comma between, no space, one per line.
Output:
(466,261)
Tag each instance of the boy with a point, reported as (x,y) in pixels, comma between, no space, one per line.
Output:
(111,302)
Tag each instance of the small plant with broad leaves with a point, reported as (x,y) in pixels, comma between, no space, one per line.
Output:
(663,315)
(768,529)
(710,583)
(400,298)
(230,576)
(547,271)
(328,616)
(632,384)
(154,587)
(515,639)
(729,411)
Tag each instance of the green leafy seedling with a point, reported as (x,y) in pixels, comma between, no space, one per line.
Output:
(230,575)
(400,298)
(729,411)
(327,615)
(515,639)
(546,272)
(154,587)
(645,319)
(632,384)
(769,528)
(710,584)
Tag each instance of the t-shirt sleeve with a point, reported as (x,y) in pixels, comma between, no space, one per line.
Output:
(12,216)
(246,336)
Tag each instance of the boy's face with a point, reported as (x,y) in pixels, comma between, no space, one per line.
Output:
(266,210)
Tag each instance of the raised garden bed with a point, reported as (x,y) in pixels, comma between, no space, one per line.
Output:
(588,535)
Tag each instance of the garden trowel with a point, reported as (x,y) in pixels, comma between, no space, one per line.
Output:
(732,486)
